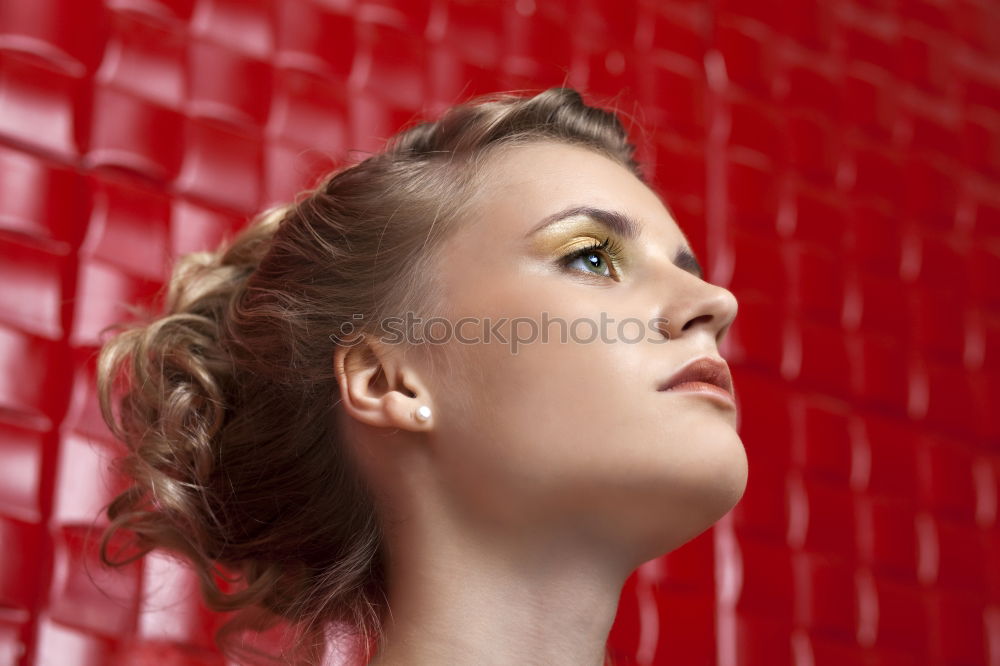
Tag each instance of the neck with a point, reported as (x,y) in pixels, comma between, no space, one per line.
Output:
(462,597)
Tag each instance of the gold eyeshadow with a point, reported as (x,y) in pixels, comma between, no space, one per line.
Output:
(563,239)
(560,237)
(565,236)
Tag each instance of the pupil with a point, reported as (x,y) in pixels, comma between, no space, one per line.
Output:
(595,260)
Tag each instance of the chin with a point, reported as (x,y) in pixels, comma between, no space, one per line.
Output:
(712,488)
(685,498)
(727,478)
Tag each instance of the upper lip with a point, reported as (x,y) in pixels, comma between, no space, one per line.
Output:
(702,369)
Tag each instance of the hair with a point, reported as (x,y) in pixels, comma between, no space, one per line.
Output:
(225,399)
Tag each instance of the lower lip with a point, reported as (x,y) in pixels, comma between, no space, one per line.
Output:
(704,388)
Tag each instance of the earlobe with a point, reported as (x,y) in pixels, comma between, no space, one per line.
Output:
(376,388)
(408,413)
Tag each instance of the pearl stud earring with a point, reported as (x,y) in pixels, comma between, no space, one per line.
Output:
(423,413)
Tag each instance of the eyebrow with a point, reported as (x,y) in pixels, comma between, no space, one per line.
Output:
(621,224)
(618,222)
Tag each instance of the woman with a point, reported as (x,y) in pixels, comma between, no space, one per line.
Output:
(450,400)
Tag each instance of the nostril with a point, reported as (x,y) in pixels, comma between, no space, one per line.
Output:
(704,319)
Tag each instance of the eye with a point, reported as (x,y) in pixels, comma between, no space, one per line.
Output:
(598,258)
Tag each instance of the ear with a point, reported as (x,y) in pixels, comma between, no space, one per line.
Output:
(377,387)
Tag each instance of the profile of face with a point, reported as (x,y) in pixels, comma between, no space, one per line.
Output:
(572,438)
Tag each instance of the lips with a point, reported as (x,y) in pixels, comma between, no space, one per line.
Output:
(704,369)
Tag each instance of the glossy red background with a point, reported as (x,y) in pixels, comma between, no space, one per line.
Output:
(835,163)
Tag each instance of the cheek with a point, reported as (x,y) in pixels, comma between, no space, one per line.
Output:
(549,407)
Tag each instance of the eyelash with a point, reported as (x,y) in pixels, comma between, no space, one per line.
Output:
(612,250)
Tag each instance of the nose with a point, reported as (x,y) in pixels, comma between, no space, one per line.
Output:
(700,307)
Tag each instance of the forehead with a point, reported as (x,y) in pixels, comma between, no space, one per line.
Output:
(524,183)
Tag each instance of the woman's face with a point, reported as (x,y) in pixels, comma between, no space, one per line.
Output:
(572,435)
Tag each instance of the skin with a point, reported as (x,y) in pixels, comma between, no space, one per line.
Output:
(542,479)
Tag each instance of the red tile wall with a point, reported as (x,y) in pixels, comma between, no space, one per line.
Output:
(836,163)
